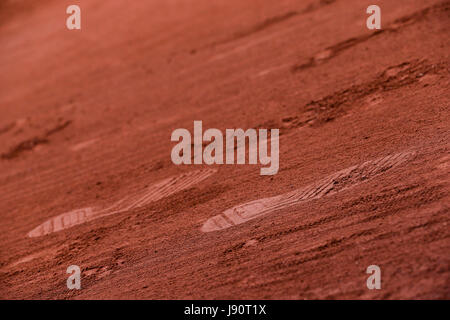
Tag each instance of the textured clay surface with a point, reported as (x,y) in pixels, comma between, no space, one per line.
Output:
(86,176)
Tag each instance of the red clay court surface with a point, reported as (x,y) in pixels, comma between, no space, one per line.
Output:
(86,176)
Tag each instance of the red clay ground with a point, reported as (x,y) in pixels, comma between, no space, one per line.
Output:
(86,119)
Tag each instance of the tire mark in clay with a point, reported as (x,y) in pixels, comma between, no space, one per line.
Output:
(154,193)
(332,184)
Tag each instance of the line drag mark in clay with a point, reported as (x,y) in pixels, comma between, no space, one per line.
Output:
(151,194)
(332,184)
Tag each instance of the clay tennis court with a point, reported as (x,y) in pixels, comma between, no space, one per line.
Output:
(86,176)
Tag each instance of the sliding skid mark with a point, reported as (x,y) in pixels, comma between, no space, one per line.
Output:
(321,111)
(340,47)
(153,193)
(332,184)
(32,143)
